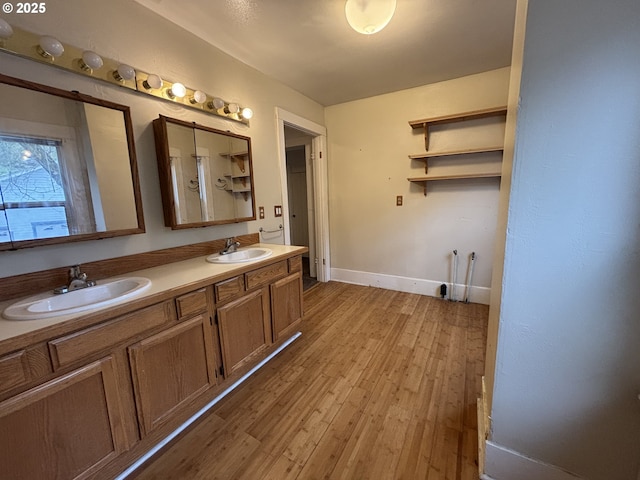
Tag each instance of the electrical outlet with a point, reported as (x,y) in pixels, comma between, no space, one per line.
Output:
(399,200)
(277,210)
(261,212)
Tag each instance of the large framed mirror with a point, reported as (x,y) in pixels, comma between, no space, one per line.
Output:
(68,167)
(206,175)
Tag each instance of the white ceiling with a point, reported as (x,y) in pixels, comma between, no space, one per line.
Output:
(309,46)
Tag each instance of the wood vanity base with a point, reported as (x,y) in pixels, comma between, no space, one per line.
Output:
(88,397)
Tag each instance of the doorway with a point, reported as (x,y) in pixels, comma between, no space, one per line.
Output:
(301,211)
(295,136)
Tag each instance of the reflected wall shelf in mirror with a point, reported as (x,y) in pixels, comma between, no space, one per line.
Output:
(68,168)
(206,175)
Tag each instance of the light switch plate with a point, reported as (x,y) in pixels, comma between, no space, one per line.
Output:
(277,210)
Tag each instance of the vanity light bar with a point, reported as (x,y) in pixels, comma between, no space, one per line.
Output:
(84,62)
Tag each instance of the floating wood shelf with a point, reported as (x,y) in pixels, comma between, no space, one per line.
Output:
(425,123)
(244,180)
(426,156)
(238,157)
(431,178)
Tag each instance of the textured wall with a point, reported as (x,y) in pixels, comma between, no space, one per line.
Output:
(369,143)
(567,377)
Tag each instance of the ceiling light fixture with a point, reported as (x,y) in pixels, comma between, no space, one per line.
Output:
(369,16)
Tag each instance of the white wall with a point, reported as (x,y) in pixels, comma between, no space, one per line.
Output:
(125,31)
(113,179)
(503,207)
(568,370)
(373,241)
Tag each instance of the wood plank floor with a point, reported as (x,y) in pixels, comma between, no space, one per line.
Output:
(381,385)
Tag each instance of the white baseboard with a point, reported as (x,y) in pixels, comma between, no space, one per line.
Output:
(504,464)
(408,284)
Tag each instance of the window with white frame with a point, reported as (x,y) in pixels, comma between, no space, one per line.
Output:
(31,188)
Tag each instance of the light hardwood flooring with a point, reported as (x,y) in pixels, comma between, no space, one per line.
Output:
(381,385)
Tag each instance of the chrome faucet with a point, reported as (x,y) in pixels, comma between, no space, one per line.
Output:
(77,280)
(230,246)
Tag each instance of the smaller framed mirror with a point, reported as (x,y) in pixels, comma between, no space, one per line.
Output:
(206,175)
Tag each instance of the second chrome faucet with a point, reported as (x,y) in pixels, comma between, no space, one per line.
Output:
(230,246)
(77,280)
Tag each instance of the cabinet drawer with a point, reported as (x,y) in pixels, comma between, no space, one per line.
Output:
(24,366)
(192,303)
(295,264)
(265,275)
(229,288)
(14,370)
(74,347)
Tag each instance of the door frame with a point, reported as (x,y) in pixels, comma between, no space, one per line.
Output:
(321,195)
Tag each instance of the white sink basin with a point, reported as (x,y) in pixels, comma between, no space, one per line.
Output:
(240,256)
(100,295)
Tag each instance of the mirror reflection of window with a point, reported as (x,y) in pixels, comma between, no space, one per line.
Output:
(81,149)
(33,196)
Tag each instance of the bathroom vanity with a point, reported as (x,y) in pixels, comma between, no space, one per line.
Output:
(84,395)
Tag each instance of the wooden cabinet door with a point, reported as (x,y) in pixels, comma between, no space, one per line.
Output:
(244,329)
(286,305)
(66,428)
(170,369)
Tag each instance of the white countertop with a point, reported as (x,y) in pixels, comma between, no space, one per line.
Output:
(163,278)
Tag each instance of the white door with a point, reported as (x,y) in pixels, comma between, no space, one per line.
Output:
(297,186)
(316,185)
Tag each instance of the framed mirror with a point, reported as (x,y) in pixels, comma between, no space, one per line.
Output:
(206,175)
(68,167)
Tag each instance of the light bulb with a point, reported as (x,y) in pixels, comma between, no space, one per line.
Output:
(216,104)
(152,81)
(177,90)
(50,47)
(90,61)
(124,72)
(5,30)
(198,97)
(369,16)
(232,108)
(246,113)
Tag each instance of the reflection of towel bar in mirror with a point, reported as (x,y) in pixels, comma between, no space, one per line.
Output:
(221,163)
